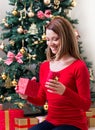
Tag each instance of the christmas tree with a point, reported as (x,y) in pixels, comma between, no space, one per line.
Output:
(24,27)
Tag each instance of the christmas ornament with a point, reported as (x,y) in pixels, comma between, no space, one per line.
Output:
(36,42)
(31,14)
(56,4)
(73,3)
(12,42)
(2,98)
(44,37)
(46,106)
(11,57)
(91,74)
(14,82)
(22,50)
(33,29)
(20,30)
(23,13)
(47,2)
(40,14)
(8,82)
(8,98)
(14,12)
(3,76)
(6,25)
(34,57)
(2,46)
(19,104)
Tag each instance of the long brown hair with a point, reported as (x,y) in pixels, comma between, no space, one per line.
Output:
(69,45)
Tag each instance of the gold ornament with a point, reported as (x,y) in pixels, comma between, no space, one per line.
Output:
(34,57)
(56,78)
(20,30)
(4,20)
(8,98)
(33,29)
(22,50)
(44,37)
(46,106)
(6,25)
(2,46)
(14,82)
(36,42)
(3,76)
(12,42)
(20,105)
(14,12)
(46,2)
(31,14)
(56,3)
(73,3)
(8,82)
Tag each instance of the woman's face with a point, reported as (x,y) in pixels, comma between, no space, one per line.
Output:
(53,41)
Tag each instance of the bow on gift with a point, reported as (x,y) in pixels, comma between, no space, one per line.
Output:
(11,57)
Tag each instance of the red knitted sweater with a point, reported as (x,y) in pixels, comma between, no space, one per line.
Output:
(70,107)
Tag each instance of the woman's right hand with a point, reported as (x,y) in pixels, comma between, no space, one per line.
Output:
(23,96)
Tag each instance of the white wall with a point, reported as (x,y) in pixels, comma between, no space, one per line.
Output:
(85,13)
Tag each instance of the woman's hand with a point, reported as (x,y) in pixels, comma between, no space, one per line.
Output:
(54,86)
(21,95)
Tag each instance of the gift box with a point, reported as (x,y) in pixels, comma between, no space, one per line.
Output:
(1,106)
(28,87)
(91,117)
(7,118)
(25,123)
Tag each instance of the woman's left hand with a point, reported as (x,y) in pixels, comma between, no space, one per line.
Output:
(54,86)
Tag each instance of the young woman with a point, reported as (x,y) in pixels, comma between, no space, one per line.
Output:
(69,96)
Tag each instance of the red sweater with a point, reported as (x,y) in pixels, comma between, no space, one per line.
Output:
(70,107)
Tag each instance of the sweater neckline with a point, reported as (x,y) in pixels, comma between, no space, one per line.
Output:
(63,68)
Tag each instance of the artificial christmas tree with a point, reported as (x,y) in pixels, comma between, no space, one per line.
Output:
(24,27)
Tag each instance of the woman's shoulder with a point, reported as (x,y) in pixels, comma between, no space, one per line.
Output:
(80,65)
(45,63)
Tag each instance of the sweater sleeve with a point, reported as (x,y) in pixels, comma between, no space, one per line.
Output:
(41,96)
(80,99)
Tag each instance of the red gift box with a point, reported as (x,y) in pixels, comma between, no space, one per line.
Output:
(7,118)
(25,123)
(91,117)
(28,87)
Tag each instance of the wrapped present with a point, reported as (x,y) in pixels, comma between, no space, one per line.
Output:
(7,118)
(25,123)
(92,122)
(91,117)
(28,87)
(1,106)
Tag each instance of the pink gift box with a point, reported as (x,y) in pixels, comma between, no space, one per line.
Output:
(28,87)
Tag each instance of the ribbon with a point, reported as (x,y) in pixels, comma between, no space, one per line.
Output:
(7,125)
(11,57)
(24,123)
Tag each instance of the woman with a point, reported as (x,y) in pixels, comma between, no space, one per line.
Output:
(69,96)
